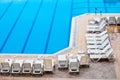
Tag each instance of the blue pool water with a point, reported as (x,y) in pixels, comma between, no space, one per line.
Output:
(43,26)
(88,6)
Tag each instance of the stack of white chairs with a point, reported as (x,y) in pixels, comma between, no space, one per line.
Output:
(6,66)
(17,67)
(98,25)
(38,67)
(112,20)
(83,59)
(62,61)
(49,64)
(118,20)
(98,42)
(74,65)
(34,67)
(27,66)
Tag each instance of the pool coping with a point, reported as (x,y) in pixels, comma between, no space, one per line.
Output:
(72,42)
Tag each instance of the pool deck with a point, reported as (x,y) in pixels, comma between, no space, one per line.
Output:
(80,45)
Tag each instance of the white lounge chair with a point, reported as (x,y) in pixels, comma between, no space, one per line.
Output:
(38,67)
(17,66)
(97,35)
(91,22)
(108,55)
(73,65)
(97,40)
(105,18)
(97,50)
(6,66)
(62,61)
(49,64)
(97,27)
(100,46)
(118,21)
(83,59)
(27,66)
(112,20)
(94,21)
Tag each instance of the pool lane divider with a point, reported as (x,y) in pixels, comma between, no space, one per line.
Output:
(32,26)
(4,43)
(6,10)
(51,25)
(70,23)
(88,6)
(105,7)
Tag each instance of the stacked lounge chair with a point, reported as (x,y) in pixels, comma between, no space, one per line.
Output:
(112,21)
(98,42)
(38,67)
(94,25)
(6,66)
(83,59)
(118,21)
(27,66)
(62,61)
(49,64)
(17,67)
(73,65)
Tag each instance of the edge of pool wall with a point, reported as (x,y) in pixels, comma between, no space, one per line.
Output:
(72,42)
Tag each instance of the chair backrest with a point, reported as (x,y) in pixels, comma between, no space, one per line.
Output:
(37,66)
(26,65)
(62,57)
(73,62)
(30,62)
(20,62)
(48,62)
(85,58)
(118,20)
(4,65)
(15,65)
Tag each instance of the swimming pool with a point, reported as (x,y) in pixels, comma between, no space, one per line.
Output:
(43,26)
(88,6)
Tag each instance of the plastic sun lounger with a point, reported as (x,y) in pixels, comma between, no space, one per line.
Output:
(6,66)
(100,46)
(96,35)
(104,18)
(27,66)
(94,21)
(97,51)
(91,22)
(17,66)
(97,40)
(83,59)
(98,27)
(107,55)
(103,38)
(38,67)
(62,61)
(73,65)
(48,64)
(112,21)
(118,21)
